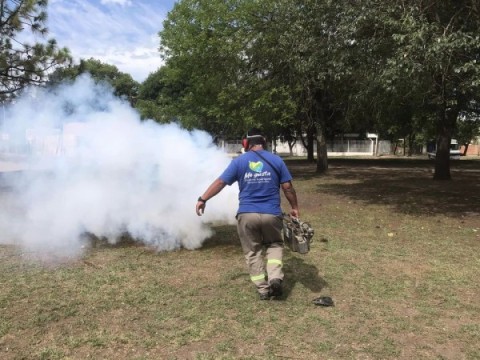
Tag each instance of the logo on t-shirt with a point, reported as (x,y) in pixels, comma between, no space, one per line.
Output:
(255,166)
(257,173)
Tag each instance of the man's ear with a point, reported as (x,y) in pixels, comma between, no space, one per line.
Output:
(245,144)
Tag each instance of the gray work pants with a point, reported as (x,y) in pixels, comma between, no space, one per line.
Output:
(259,232)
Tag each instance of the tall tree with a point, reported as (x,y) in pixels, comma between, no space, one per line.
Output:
(122,83)
(160,95)
(22,64)
(224,51)
(437,51)
(199,44)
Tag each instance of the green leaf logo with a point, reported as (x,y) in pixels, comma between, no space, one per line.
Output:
(255,166)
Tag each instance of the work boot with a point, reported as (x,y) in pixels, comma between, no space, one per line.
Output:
(264,296)
(276,287)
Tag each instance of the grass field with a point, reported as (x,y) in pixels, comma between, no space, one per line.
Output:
(398,253)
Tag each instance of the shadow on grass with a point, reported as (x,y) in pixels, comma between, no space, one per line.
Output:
(298,271)
(406,185)
(124,240)
(224,235)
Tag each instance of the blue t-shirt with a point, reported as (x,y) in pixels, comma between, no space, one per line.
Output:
(259,184)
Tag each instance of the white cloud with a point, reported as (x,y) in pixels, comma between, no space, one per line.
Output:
(120,2)
(124,36)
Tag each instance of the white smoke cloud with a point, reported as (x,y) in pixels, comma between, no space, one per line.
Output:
(94,167)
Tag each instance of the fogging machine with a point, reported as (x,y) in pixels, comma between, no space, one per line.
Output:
(297,235)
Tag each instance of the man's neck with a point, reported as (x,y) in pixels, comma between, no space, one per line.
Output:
(256,147)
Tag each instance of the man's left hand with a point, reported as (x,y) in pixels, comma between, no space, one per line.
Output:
(200,208)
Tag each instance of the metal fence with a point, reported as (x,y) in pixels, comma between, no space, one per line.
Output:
(53,143)
(231,146)
(341,148)
(351,146)
(46,144)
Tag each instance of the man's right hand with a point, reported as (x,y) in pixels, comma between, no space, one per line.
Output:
(295,213)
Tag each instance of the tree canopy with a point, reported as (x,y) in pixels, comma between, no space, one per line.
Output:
(403,69)
(21,63)
(159,96)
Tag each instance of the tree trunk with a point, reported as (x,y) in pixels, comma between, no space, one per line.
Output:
(442,157)
(290,146)
(322,157)
(308,143)
(447,120)
(465,149)
(410,144)
(310,140)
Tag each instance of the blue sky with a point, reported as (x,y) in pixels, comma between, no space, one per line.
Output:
(123,33)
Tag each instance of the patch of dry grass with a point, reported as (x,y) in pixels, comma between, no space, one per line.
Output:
(397,252)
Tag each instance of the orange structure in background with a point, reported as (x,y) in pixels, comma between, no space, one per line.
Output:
(472,150)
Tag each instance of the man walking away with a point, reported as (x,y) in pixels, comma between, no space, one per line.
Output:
(260,175)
